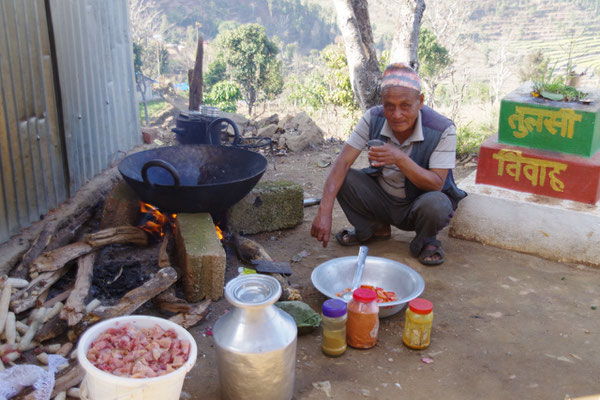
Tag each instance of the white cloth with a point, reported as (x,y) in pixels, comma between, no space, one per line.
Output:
(14,379)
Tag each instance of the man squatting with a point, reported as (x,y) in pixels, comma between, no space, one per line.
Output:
(409,184)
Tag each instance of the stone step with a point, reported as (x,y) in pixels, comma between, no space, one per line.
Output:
(547,173)
(566,127)
(559,230)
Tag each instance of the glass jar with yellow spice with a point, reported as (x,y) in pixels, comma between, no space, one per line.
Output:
(334,327)
(417,326)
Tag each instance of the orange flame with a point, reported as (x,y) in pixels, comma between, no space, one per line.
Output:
(155,220)
(219,232)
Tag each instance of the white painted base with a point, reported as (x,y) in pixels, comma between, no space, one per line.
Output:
(559,230)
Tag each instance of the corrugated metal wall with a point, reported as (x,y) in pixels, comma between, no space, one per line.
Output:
(94,53)
(32,178)
(42,163)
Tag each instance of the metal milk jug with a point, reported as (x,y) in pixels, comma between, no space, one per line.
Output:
(255,342)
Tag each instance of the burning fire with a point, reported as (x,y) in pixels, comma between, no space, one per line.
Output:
(219,232)
(153,221)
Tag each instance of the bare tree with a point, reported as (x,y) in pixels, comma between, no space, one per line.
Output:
(500,74)
(355,25)
(406,39)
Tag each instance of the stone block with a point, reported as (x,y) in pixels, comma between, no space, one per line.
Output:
(559,230)
(566,127)
(547,173)
(200,257)
(121,207)
(270,206)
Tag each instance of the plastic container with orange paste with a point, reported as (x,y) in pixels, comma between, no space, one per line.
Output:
(362,327)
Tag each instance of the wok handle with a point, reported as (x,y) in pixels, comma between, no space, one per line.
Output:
(236,132)
(163,164)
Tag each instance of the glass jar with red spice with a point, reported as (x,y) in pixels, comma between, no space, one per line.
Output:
(362,327)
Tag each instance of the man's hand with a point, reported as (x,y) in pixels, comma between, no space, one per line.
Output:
(321,227)
(386,155)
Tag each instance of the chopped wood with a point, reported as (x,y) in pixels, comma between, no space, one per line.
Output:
(169,301)
(39,302)
(39,245)
(120,234)
(247,249)
(192,317)
(26,298)
(53,328)
(131,301)
(58,298)
(74,308)
(58,258)
(163,252)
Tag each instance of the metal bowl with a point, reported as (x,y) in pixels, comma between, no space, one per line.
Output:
(335,275)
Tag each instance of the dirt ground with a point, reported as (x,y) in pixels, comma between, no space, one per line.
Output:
(506,325)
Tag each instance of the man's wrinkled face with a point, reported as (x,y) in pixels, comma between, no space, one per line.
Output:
(401,107)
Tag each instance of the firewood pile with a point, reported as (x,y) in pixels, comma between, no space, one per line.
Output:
(40,316)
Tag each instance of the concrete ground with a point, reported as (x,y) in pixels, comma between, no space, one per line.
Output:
(506,326)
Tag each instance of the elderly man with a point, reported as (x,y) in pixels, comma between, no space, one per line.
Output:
(410,183)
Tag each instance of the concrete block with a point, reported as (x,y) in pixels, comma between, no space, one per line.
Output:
(121,207)
(200,257)
(548,173)
(566,127)
(559,230)
(270,206)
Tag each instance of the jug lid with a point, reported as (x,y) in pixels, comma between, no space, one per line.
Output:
(253,290)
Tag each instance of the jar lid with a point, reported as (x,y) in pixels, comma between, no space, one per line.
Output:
(333,308)
(420,306)
(364,295)
(252,291)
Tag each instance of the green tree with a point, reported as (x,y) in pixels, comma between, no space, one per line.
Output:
(224,95)
(252,63)
(433,62)
(216,72)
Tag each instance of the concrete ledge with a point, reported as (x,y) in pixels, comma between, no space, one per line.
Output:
(200,257)
(559,230)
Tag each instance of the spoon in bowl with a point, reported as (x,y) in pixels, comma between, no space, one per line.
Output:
(358,271)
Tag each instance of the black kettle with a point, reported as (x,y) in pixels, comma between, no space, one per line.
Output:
(196,128)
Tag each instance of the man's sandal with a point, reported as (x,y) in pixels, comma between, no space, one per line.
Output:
(347,237)
(431,252)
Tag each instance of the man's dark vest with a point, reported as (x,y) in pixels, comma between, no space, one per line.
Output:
(434,124)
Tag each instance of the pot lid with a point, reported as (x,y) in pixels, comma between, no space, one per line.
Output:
(253,290)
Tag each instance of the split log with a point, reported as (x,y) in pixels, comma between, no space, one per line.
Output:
(53,328)
(169,301)
(58,298)
(58,258)
(192,317)
(26,298)
(195,77)
(56,233)
(163,252)
(248,250)
(130,302)
(120,234)
(74,308)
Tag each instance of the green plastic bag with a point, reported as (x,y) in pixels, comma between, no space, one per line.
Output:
(306,318)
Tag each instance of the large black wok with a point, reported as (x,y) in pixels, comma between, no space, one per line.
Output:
(200,178)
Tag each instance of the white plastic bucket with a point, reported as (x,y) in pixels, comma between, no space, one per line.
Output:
(100,385)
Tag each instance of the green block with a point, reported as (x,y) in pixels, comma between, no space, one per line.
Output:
(270,206)
(566,127)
